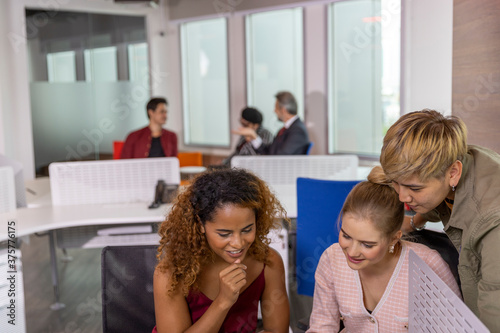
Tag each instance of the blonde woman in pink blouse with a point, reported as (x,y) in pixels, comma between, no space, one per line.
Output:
(363,279)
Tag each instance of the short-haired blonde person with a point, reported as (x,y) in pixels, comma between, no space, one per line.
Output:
(363,279)
(441,178)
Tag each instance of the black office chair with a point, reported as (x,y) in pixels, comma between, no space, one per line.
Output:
(127,288)
(441,243)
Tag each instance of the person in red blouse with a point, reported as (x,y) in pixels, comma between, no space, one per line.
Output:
(215,263)
(152,140)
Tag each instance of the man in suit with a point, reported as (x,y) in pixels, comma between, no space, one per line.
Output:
(292,139)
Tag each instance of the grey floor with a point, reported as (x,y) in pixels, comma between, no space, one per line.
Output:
(80,290)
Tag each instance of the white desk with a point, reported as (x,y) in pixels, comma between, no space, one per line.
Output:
(38,192)
(47,218)
(289,202)
(192,170)
(51,218)
(80,197)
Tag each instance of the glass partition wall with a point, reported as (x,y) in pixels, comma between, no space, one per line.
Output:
(89,83)
(274,60)
(205,84)
(364,76)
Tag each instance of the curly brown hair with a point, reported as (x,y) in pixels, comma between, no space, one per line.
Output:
(184,250)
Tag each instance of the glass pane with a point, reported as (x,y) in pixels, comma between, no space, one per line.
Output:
(364,75)
(274,61)
(138,62)
(61,66)
(78,118)
(205,82)
(101,64)
(64,129)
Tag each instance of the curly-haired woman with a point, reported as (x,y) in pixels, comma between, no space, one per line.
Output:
(215,261)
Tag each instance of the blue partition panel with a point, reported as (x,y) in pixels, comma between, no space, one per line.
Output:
(318,206)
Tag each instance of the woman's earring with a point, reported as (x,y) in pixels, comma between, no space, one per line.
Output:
(453,188)
(391,249)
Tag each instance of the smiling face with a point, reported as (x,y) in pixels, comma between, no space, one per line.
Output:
(231,232)
(421,196)
(363,245)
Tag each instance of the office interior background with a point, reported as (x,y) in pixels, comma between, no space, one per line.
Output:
(76,74)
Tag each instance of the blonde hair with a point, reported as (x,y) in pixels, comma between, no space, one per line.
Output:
(423,143)
(377,201)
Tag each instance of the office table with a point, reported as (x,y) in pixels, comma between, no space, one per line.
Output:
(41,216)
(38,192)
(48,218)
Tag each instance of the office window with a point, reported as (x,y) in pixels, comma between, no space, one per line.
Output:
(205,82)
(274,60)
(101,64)
(364,74)
(138,62)
(61,66)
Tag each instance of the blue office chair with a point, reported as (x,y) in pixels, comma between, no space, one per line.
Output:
(318,206)
(308,151)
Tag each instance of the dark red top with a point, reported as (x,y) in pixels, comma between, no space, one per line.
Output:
(242,317)
(138,143)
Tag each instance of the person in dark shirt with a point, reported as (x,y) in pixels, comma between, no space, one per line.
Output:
(152,140)
(292,139)
(251,118)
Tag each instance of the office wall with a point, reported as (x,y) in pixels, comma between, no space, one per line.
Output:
(14,109)
(163,54)
(476,69)
(16,131)
(316,77)
(3,107)
(426,67)
(189,9)
(427,55)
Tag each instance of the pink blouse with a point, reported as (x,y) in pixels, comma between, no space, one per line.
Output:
(338,294)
